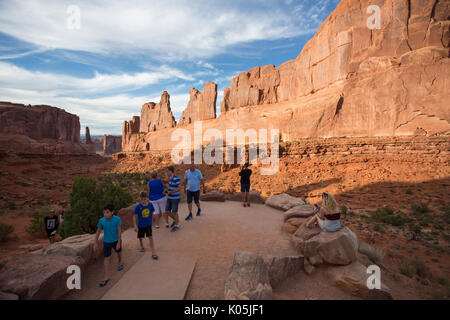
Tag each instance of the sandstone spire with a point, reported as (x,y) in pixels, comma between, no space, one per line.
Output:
(201,106)
(157,116)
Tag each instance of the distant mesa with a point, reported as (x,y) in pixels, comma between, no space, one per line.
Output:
(40,129)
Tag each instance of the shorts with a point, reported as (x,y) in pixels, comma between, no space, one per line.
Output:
(330,225)
(143,232)
(159,205)
(195,194)
(245,188)
(172,205)
(107,248)
(51,233)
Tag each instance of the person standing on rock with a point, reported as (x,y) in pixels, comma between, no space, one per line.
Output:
(51,224)
(173,199)
(155,191)
(142,220)
(327,215)
(245,184)
(192,180)
(112,239)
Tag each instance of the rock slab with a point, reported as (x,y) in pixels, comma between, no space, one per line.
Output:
(284,201)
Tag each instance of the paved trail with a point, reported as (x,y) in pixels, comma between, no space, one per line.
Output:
(210,241)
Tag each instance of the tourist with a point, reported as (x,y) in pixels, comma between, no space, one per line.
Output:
(51,224)
(173,199)
(112,239)
(142,214)
(155,190)
(326,215)
(245,174)
(192,179)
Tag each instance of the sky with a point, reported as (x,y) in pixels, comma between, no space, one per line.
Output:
(103,59)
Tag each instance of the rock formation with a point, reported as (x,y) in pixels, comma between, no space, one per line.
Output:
(129,129)
(354,81)
(88,136)
(201,106)
(39,129)
(155,116)
(112,144)
(349,80)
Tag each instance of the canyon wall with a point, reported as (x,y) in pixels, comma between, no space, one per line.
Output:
(39,129)
(348,81)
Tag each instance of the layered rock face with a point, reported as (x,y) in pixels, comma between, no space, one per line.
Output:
(39,129)
(112,144)
(130,128)
(155,116)
(201,106)
(353,81)
(350,80)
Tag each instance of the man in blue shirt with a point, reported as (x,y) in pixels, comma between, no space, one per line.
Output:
(173,198)
(192,179)
(112,239)
(143,226)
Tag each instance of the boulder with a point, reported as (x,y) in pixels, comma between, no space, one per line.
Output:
(8,296)
(255,197)
(308,267)
(126,215)
(79,246)
(303,211)
(37,276)
(302,235)
(282,268)
(214,195)
(338,248)
(353,279)
(284,201)
(248,278)
(288,228)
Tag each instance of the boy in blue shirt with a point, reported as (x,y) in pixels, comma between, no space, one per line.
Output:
(112,239)
(142,218)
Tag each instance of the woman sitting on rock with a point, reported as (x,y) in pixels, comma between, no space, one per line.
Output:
(328,215)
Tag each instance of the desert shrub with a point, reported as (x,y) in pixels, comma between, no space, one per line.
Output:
(419,208)
(5,230)
(415,228)
(386,215)
(344,210)
(11,205)
(37,223)
(87,200)
(406,269)
(409,192)
(442,280)
(375,254)
(377,227)
(2,264)
(420,268)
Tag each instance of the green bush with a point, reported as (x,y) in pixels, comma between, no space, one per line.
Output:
(409,192)
(87,200)
(5,230)
(406,269)
(419,208)
(344,210)
(37,223)
(386,215)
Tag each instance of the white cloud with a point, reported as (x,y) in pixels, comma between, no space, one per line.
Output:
(166,30)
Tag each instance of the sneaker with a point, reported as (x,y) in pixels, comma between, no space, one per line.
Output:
(189,217)
(175,228)
(198,212)
(167,225)
(173,224)
(156,227)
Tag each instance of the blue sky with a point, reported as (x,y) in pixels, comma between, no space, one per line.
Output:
(125,53)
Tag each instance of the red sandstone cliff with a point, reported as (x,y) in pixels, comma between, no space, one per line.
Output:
(39,129)
(349,80)
(157,116)
(201,106)
(112,144)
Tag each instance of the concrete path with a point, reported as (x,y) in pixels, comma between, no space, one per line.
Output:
(164,279)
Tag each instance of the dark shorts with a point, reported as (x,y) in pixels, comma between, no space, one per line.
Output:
(172,205)
(245,188)
(107,248)
(51,233)
(195,194)
(143,232)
